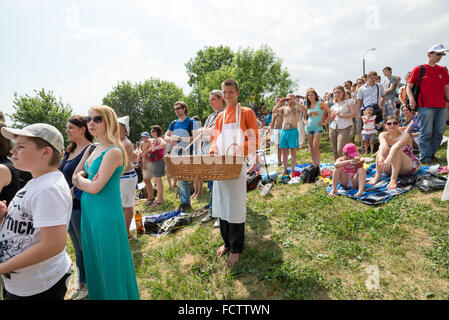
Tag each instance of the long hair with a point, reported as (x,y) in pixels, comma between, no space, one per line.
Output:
(308,102)
(112,128)
(342,89)
(80,122)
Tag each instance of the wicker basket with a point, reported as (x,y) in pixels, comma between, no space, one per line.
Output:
(206,168)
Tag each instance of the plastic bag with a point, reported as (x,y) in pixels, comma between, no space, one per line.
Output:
(431,182)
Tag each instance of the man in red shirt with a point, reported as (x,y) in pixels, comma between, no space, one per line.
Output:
(432,102)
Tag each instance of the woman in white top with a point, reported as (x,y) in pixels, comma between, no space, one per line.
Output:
(342,113)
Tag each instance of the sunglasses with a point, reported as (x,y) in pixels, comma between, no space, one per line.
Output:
(394,123)
(176,109)
(439,54)
(96,119)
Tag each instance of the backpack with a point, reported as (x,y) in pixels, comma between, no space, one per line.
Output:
(310,174)
(252,180)
(416,88)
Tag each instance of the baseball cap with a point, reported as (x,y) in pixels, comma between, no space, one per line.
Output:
(351,150)
(37,130)
(145,134)
(125,121)
(437,48)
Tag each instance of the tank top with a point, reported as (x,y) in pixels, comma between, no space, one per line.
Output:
(9,191)
(312,124)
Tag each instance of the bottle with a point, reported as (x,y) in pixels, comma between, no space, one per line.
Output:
(139,225)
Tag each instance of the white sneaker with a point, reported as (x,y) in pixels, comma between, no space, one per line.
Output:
(206,218)
(78,294)
(82,293)
(217,223)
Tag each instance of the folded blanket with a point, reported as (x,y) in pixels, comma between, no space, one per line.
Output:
(378,193)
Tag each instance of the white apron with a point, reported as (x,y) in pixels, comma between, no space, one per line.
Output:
(229,196)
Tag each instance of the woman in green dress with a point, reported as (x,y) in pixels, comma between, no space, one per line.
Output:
(108,262)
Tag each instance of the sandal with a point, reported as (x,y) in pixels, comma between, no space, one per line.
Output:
(150,201)
(155,204)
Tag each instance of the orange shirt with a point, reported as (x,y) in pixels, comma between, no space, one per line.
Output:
(248,124)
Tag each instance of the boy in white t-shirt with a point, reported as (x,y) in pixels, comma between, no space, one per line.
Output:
(33,229)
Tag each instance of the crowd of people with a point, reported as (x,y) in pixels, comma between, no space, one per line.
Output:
(89,188)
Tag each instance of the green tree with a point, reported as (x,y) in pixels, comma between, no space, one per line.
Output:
(259,73)
(261,76)
(147,104)
(43,107)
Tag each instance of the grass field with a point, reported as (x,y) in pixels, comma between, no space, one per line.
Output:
(302,244)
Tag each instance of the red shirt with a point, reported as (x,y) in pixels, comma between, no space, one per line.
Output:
(431,92)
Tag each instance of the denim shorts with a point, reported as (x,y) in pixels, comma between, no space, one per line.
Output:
(314,132)
(369,137)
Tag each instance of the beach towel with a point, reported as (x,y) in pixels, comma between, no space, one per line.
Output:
(378,193)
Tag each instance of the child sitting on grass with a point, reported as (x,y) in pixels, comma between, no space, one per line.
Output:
(369,132)
(349,171)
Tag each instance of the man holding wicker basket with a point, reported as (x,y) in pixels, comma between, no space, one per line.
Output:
(235,133)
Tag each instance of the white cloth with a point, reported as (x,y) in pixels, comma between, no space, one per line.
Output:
(301,131)
(44,202)
(128,185)
(229,196)
(275,136)
(342,108)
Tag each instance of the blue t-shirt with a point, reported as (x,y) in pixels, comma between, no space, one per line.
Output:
(183,129)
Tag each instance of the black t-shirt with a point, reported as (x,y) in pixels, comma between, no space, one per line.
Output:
(9,191)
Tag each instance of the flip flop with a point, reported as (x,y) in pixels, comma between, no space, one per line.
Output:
(155,204)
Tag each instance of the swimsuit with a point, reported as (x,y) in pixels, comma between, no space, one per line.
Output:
(289,139)
(408,150)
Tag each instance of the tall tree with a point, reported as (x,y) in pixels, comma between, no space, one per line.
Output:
(43,107)
(259,73)
(147,104)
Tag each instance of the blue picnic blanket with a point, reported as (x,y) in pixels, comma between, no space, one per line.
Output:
(378,193)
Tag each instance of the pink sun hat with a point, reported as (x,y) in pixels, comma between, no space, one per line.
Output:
(351,150)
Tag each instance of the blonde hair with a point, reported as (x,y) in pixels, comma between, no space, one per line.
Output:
(112,128)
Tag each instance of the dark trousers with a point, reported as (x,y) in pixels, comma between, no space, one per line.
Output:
(233,235)
(57,292)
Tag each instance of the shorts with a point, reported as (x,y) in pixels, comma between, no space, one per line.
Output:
(369,137)
(275,136)
(128,183)
(158,168)
(314,132)
(289,139)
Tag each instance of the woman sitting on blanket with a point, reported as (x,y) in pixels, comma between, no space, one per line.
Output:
(395,155)
(349,171)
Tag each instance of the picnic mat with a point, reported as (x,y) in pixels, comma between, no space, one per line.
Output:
(378,193)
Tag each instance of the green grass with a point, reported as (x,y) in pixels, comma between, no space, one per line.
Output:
(302,244)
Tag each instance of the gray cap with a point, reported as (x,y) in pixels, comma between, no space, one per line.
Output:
(38,130)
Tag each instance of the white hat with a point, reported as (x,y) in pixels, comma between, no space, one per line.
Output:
(125,121)
(38,130)
(437,48)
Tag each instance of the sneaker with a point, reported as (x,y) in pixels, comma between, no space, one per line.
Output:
(217,223)
(78,294)
(82,294)
(206,218)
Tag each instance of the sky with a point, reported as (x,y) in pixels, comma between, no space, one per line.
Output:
(81,49)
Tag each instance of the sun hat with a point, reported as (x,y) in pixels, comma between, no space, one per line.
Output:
(438,48)
(44,131)
(125,121)
(351,150)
